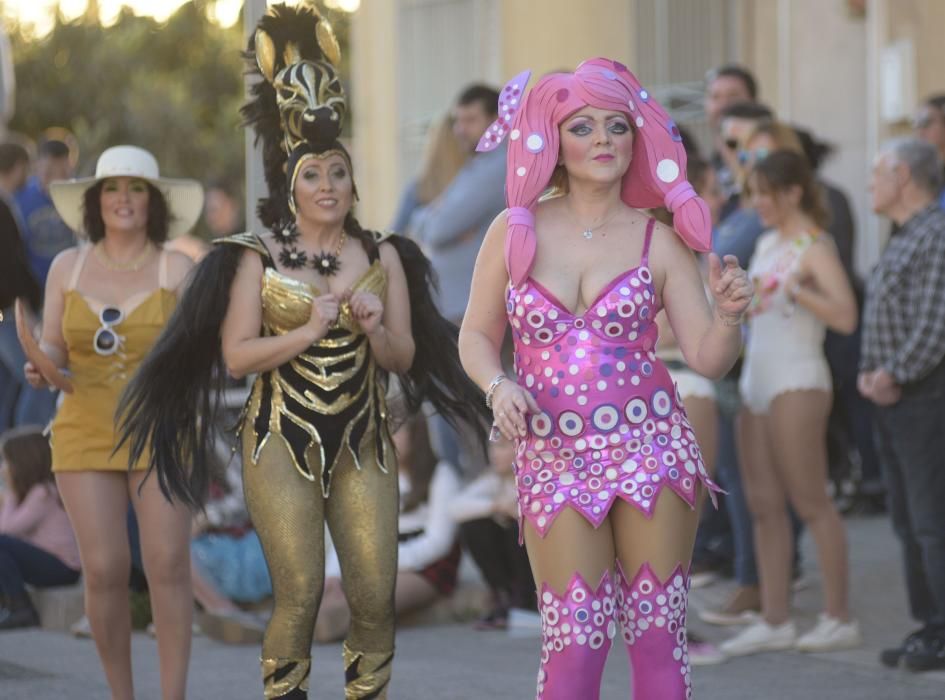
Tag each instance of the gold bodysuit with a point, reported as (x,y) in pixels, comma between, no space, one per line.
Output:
(329,397)
(322,416)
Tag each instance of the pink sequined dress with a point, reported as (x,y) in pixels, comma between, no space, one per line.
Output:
(611,423)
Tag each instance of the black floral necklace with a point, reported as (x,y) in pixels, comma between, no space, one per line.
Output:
(294,259)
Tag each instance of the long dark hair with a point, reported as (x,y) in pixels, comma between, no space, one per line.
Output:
(159,214)
(418,461)
(782,170)
(171,402)
(28,459)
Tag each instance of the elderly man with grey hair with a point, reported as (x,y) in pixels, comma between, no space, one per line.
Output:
(902,371)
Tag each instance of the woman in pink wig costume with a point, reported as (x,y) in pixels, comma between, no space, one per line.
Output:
(601,433)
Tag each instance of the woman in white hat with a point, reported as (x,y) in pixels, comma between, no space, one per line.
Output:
(107,301)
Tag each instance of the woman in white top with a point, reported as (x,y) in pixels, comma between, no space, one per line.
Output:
(428,551)
(487,513)
(801,289)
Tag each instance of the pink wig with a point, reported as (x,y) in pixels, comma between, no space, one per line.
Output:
(657,173)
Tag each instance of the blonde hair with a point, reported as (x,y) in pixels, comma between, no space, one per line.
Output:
(784,136)
(443,157)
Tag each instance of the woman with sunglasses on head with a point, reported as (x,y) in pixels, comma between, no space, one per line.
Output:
(786,395)
(106,303)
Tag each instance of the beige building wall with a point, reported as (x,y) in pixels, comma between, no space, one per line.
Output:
(810,58)
(548,35)
(373,86)
(922,22)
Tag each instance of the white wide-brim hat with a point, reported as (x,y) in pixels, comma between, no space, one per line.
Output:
(184,197)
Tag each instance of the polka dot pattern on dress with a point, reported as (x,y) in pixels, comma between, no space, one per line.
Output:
(582,616)
(653,613)
(611,423)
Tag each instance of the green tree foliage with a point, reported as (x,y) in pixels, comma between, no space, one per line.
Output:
(173,88)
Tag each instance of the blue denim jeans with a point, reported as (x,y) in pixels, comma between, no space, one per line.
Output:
(20,404)
(729,477)
(22,563)
(910,441)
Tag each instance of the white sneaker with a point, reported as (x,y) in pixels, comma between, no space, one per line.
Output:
(760,636)
(830,634)
(81,628)
(705,654)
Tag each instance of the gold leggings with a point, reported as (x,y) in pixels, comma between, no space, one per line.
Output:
(289,514)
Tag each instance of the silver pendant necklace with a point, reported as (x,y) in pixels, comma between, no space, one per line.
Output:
(588,231)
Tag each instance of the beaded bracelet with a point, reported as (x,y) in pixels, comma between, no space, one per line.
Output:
(493,385)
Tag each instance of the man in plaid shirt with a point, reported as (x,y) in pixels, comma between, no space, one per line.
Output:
(902,371)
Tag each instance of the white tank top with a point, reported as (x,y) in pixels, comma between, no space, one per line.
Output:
(778,326)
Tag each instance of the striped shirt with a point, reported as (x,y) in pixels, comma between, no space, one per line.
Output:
(904,314)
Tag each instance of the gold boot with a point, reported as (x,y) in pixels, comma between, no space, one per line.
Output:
(286,678)
(366,673)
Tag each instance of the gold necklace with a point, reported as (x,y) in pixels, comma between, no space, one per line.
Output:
(132,265)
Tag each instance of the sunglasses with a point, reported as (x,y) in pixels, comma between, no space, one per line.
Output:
(759,154)
(106,341)
(923,122)
(731,144)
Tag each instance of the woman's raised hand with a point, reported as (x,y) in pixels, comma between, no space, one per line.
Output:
(730,287)
(324,314)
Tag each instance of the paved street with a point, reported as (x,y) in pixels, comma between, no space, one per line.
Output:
(456,663)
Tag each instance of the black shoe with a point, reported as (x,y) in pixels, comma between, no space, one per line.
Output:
(17,617)
(892,657)
(927,655)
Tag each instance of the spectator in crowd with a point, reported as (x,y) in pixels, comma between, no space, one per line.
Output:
(428,552)
(45,233)
(451,230)
(725,86)
(223,209)
(37,546)
(851,417)
(785,389)
(443,157)
(487,513)
(736,234)
(14,170)
(227,562)
(20,404)
(929,125)
(902,371)
(739,227)
(106,303)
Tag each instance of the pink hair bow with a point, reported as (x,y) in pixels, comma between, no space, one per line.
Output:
(510,101)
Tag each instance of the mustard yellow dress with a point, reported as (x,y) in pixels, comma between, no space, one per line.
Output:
(83,432)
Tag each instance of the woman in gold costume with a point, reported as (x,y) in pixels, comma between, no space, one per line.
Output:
(321,311)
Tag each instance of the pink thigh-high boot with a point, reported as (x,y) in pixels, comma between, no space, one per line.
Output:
(653,617)
(576,633)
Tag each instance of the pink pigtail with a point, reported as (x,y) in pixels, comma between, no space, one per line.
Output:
(532,157)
